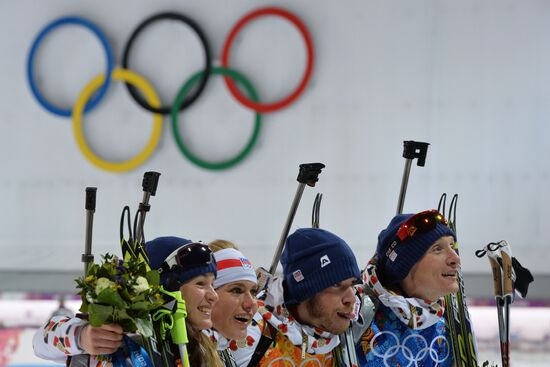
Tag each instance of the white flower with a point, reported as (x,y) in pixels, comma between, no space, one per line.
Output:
(141,285)
(102,284)
(90,299)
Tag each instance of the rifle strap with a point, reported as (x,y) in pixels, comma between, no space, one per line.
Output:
(268,337)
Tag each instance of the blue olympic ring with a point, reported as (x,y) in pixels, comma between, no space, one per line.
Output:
(96,98)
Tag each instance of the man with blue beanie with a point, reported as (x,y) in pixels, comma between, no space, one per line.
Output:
(414,267)
(302,312)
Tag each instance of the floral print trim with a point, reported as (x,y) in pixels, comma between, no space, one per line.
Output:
(413,312)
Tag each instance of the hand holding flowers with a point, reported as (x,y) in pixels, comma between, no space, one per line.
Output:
(121,292)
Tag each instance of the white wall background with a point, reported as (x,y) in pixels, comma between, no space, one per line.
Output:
(472,78)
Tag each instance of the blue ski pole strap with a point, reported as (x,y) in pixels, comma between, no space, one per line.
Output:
(131,355)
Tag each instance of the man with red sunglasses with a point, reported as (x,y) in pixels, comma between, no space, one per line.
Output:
(414,267)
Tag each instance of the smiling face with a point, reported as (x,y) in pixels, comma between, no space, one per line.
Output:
(435,275)
(234,310)
(200,297)
(331,309)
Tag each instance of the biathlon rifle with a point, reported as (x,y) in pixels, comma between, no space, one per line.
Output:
(411,150)
(87,257)
(307,175)
(170,317)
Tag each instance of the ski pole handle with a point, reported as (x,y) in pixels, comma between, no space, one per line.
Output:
(149,184)
(87,257)
(497,278)
(178,332)
(508,294)
(411,150)
(308,175)
(507,280)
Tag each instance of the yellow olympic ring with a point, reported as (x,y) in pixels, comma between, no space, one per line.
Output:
(152,98)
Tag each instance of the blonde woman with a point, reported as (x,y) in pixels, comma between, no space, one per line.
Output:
(236,286)
(184,265)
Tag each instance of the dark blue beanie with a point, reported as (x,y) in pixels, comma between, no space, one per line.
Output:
(314,259)
(160,248)
(394,264)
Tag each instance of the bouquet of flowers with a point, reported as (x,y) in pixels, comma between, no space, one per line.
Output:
(122,292)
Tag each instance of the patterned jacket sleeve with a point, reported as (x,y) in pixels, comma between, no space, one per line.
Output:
(58,338)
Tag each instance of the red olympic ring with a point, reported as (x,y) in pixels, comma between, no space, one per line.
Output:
(268,107)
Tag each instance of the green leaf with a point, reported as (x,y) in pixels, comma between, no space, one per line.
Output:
(92,269)
(141,314)
(103,272)
(153,277)
(125,294)
(144,327)
(99,314)
(120,315)
(128,325)
(139,298)
(84,305)
(111,297)
(138,306)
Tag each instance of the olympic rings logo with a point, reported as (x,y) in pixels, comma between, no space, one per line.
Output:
(306,362)
(93,93)
(406,352)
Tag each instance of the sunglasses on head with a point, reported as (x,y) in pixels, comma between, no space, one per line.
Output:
(420,223)
(187,256)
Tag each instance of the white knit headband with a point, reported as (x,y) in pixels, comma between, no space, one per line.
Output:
(233,266)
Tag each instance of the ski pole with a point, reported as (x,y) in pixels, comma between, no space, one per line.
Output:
(308,175)
(508,292)
(500,258)
(509,277)
(87,256)
(411,150)
(178,330)
(497,284)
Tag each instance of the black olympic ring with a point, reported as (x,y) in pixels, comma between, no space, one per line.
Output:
(165,110)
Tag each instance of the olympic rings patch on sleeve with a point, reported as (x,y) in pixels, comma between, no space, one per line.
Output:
(142,92)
